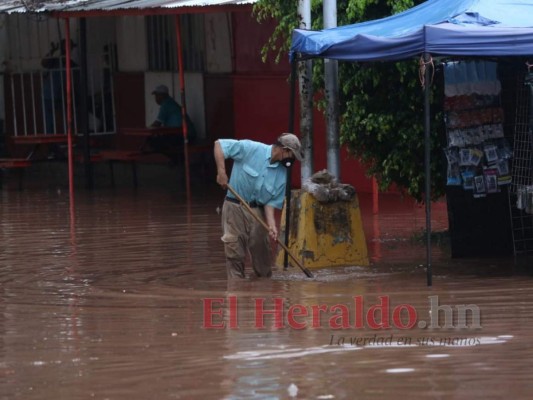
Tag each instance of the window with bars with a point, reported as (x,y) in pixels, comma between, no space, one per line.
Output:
(35,93)
(161,40)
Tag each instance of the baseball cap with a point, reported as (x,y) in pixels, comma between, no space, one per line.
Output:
(161,89)
(291,142)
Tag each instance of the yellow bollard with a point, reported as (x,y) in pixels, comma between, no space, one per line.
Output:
(324,234)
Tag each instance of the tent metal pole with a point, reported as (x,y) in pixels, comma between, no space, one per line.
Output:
(292,97)
(427,162)
(68,68)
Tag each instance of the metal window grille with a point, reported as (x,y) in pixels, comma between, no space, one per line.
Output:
(161,40)
(34,112)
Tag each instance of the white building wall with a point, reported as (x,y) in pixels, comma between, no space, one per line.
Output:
(25,40)
(30,39)
(218,44)
(131,44)
(100,32)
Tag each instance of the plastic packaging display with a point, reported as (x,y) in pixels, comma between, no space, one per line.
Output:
(478,154)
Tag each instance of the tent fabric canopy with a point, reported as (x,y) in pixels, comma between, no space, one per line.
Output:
(445,27)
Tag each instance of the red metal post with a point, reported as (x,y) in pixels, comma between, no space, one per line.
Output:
(375,196)
(69,109)
(183,106)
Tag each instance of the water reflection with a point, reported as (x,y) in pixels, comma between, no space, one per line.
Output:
(105,300)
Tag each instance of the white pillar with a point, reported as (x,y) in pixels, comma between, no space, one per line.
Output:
(305,79)
(332,96)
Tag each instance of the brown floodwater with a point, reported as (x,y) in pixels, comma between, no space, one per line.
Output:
(106,298)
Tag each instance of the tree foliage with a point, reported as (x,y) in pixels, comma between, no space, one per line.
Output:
(381,104)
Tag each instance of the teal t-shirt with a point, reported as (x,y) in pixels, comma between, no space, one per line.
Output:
(252,175)
(170,113)
(170,116)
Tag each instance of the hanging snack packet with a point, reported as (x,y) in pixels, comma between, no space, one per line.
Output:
(453,175)
(491,153)
(504,175)
(464,157)
(452,155)
(475,156)
(479,186)
(468,179)
(491,180)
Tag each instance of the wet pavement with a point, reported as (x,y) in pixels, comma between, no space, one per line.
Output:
(122,296)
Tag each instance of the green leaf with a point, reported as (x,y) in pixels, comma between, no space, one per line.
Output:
(382,111)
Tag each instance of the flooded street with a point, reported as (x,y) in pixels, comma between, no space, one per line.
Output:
(123,296)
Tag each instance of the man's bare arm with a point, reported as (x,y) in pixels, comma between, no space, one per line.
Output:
(271,222)
(222,177)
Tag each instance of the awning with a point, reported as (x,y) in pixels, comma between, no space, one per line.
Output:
(441,27)
(80,7)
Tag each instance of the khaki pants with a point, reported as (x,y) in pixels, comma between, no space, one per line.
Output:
(242,234)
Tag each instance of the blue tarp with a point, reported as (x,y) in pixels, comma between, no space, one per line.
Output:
(439,27)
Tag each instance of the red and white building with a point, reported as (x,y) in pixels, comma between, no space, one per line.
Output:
(131,48)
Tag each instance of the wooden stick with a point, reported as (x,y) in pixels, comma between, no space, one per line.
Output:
(247,206)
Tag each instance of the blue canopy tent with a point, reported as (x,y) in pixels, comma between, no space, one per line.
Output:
(445,27)
(435,27)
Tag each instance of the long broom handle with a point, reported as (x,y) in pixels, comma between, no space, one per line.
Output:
(245,204)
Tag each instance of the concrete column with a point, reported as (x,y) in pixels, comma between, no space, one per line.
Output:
(332,96)
(305,79)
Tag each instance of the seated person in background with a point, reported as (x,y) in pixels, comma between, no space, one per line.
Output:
(169,116)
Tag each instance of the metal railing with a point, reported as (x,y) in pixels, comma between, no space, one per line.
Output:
(38,102)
